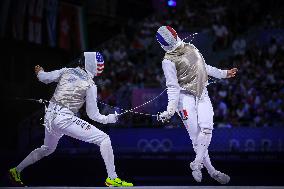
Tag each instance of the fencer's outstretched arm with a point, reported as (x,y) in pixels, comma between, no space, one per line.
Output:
(215,72)
(173,88)
(93,110)
(220,74)
(48,77)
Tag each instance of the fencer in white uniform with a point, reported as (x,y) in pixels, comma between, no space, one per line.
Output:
(75,87)
(186,76)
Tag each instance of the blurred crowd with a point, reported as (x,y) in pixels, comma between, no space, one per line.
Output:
(253,98)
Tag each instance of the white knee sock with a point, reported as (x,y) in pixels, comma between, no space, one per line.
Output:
(34,156)
(207,163)
(203,140)
(107,154)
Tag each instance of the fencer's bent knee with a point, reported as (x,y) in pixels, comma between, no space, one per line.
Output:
(105,139)
(208,125)
(46,150)
(204,137)
(206,131)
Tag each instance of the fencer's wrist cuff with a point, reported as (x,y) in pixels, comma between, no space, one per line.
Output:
(225,73)
(39,72)
(112,118)
(171,108)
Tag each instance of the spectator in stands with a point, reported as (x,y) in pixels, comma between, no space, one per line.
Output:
(239,46)
(222,36)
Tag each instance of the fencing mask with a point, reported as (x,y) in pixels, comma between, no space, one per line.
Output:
(93,62)
(168,38)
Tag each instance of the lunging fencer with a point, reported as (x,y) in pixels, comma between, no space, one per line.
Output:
(186,76)
(75,87)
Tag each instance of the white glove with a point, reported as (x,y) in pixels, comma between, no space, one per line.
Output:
(164,116)
(112,118)
(171,108)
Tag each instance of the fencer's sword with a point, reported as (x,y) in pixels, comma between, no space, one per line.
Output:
(131,110)
(125,111)
(115,107)
(42,101)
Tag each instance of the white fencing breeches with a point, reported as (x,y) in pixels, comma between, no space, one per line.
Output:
(60,121)
(197,116)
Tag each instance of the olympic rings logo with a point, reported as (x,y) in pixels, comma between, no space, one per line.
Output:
(154,145)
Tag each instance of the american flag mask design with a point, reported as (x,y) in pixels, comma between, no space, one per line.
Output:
(100,63)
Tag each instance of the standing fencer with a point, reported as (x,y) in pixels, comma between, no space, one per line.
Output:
(186,76)
(75,87)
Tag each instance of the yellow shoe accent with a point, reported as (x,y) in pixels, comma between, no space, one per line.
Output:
(117,182)
(15,177)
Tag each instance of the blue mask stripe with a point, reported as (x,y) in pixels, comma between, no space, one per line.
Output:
(161,40)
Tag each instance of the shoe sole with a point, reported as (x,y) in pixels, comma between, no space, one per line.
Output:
(197,180)
(13,182)
(110,185)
